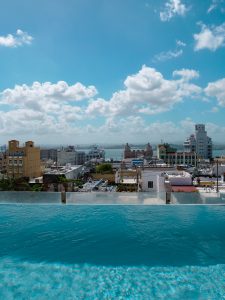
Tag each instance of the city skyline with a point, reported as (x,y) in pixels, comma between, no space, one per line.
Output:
(111,72)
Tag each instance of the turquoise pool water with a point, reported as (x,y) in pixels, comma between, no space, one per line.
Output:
(112,252)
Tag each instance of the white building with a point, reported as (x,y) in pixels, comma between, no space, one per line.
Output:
(66,156)
(70,156)
(221,170)
(95,154)
(154,179)
(199,143)
(69,172)
(190,144)
(179,178)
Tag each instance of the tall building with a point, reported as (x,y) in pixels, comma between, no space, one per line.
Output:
(199,143)
(66,156)
(22,161)
(70,156)
(80,157)
(190,144)
(47,154)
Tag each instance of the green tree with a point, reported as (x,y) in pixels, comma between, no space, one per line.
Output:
(14,184)
(104,168)
(36,188)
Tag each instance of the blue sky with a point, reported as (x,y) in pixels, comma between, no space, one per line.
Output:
(105,71)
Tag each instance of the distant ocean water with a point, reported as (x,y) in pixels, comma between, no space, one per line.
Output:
(117,154)
(219,153)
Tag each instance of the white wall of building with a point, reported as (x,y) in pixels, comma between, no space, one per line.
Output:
(221,170)
(73,172)
(158,177)
(154,176)
(65,157)
(180,178)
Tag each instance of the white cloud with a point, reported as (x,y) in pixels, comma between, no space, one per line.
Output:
(22,121)
(46,96)
(210,38)
(43,108)
(215,109)
(56,113)
(135,129)
(180,43)
(217,89)
(97,106)
(173,8)
(166,55)
(147,92)
(186,74)
(214,5)
(19,39)
(163,56)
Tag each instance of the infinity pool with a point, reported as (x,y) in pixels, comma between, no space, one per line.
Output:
(112,252)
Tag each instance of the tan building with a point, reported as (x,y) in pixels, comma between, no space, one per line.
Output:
(22,161)
(171,156)
(146,153)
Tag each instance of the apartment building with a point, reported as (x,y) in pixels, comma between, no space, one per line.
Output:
(199,143)
(171,156)
(69,155)
(22,161)
(49,154)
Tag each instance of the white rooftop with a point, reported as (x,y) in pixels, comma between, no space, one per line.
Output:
(62,169)
(129,181)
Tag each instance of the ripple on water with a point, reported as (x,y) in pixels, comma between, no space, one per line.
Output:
(112,252)
(26,280)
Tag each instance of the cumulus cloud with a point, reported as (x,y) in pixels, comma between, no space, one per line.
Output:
(22,121)
(147,92)
(50,110)
(43,108)
(47,95)
(217,89)
(186,74)
(171,9)
(210,38)
(19,39)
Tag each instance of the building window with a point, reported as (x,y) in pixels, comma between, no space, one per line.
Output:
(150,184)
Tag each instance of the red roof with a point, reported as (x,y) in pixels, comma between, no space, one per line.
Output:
(182,188)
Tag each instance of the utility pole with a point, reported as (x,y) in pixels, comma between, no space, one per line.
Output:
(137,178)
(217,171)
